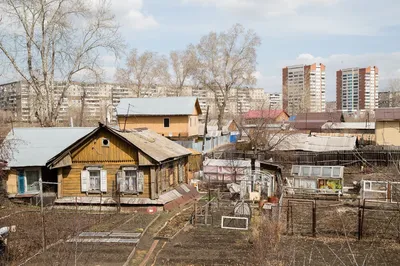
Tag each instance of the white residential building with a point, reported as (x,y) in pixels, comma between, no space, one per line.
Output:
(303,88)
(357,89)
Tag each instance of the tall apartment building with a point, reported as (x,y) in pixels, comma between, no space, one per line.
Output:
(357,89)
(303,88)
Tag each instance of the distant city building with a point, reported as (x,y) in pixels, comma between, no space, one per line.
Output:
(303,88)
(100,100)
(388,99)
(357,89)
(273,100)
(330,106)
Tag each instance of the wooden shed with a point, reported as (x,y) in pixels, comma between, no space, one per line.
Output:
(140,164)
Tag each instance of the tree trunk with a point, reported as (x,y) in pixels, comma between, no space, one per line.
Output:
(82,107)
(221,114)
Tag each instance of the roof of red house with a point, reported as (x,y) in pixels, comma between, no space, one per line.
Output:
(255,114)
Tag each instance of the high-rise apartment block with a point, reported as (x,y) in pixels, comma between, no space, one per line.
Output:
(303,88)
(98,100)
(357,89)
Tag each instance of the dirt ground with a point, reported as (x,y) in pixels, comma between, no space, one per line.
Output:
(64,224)
(205,245)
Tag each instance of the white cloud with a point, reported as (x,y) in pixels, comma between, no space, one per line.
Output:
(130,15)
(269,83)
(282,17)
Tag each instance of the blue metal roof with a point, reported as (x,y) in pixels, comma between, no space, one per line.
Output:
(156,106)
(35,146)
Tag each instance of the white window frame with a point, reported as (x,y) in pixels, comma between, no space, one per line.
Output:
(90,189)
(121,177)
(126,189)
(102,180)
(36,169)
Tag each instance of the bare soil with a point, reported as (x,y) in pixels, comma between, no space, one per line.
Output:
(206,245)
(59,224)
(175,224)
(137,223)
(84,254)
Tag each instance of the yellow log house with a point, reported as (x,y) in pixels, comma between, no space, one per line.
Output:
(138,165)
(172,117)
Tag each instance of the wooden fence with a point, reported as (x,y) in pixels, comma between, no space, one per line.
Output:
(345,158)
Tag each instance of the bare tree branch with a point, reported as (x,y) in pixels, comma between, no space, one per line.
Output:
(57,40)
(227,60)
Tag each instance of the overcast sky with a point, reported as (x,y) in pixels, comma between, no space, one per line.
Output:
(337,33)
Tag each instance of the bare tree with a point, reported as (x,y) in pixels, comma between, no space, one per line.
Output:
(263,128)
(394,92)
(227,60)
(183,66)
(142,71)
(51,40)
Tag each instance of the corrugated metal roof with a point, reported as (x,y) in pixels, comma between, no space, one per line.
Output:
(35,146)
(304,142)
(230,163)
(156,146)
(157,106)
(349,125)
(387,114)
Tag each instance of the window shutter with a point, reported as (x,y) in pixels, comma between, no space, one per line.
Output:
(121,181)
(103,180)
(140,181)
(84,180)
(181,173)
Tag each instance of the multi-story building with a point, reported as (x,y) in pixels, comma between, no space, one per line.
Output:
(303,88)
(357,89)
(98,100)
(388,99)
(20,99)
(274,100)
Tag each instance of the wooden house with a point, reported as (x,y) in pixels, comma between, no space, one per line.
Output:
(172,117)
(31,149)
(139,165)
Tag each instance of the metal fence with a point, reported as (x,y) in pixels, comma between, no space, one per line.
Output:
(376,157)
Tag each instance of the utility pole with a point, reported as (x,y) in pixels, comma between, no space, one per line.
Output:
(126,117)
(42,209)
(205,129)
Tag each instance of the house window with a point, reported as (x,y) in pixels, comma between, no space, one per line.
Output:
(166,122)
(130,180)
(32,180)
(94,183)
